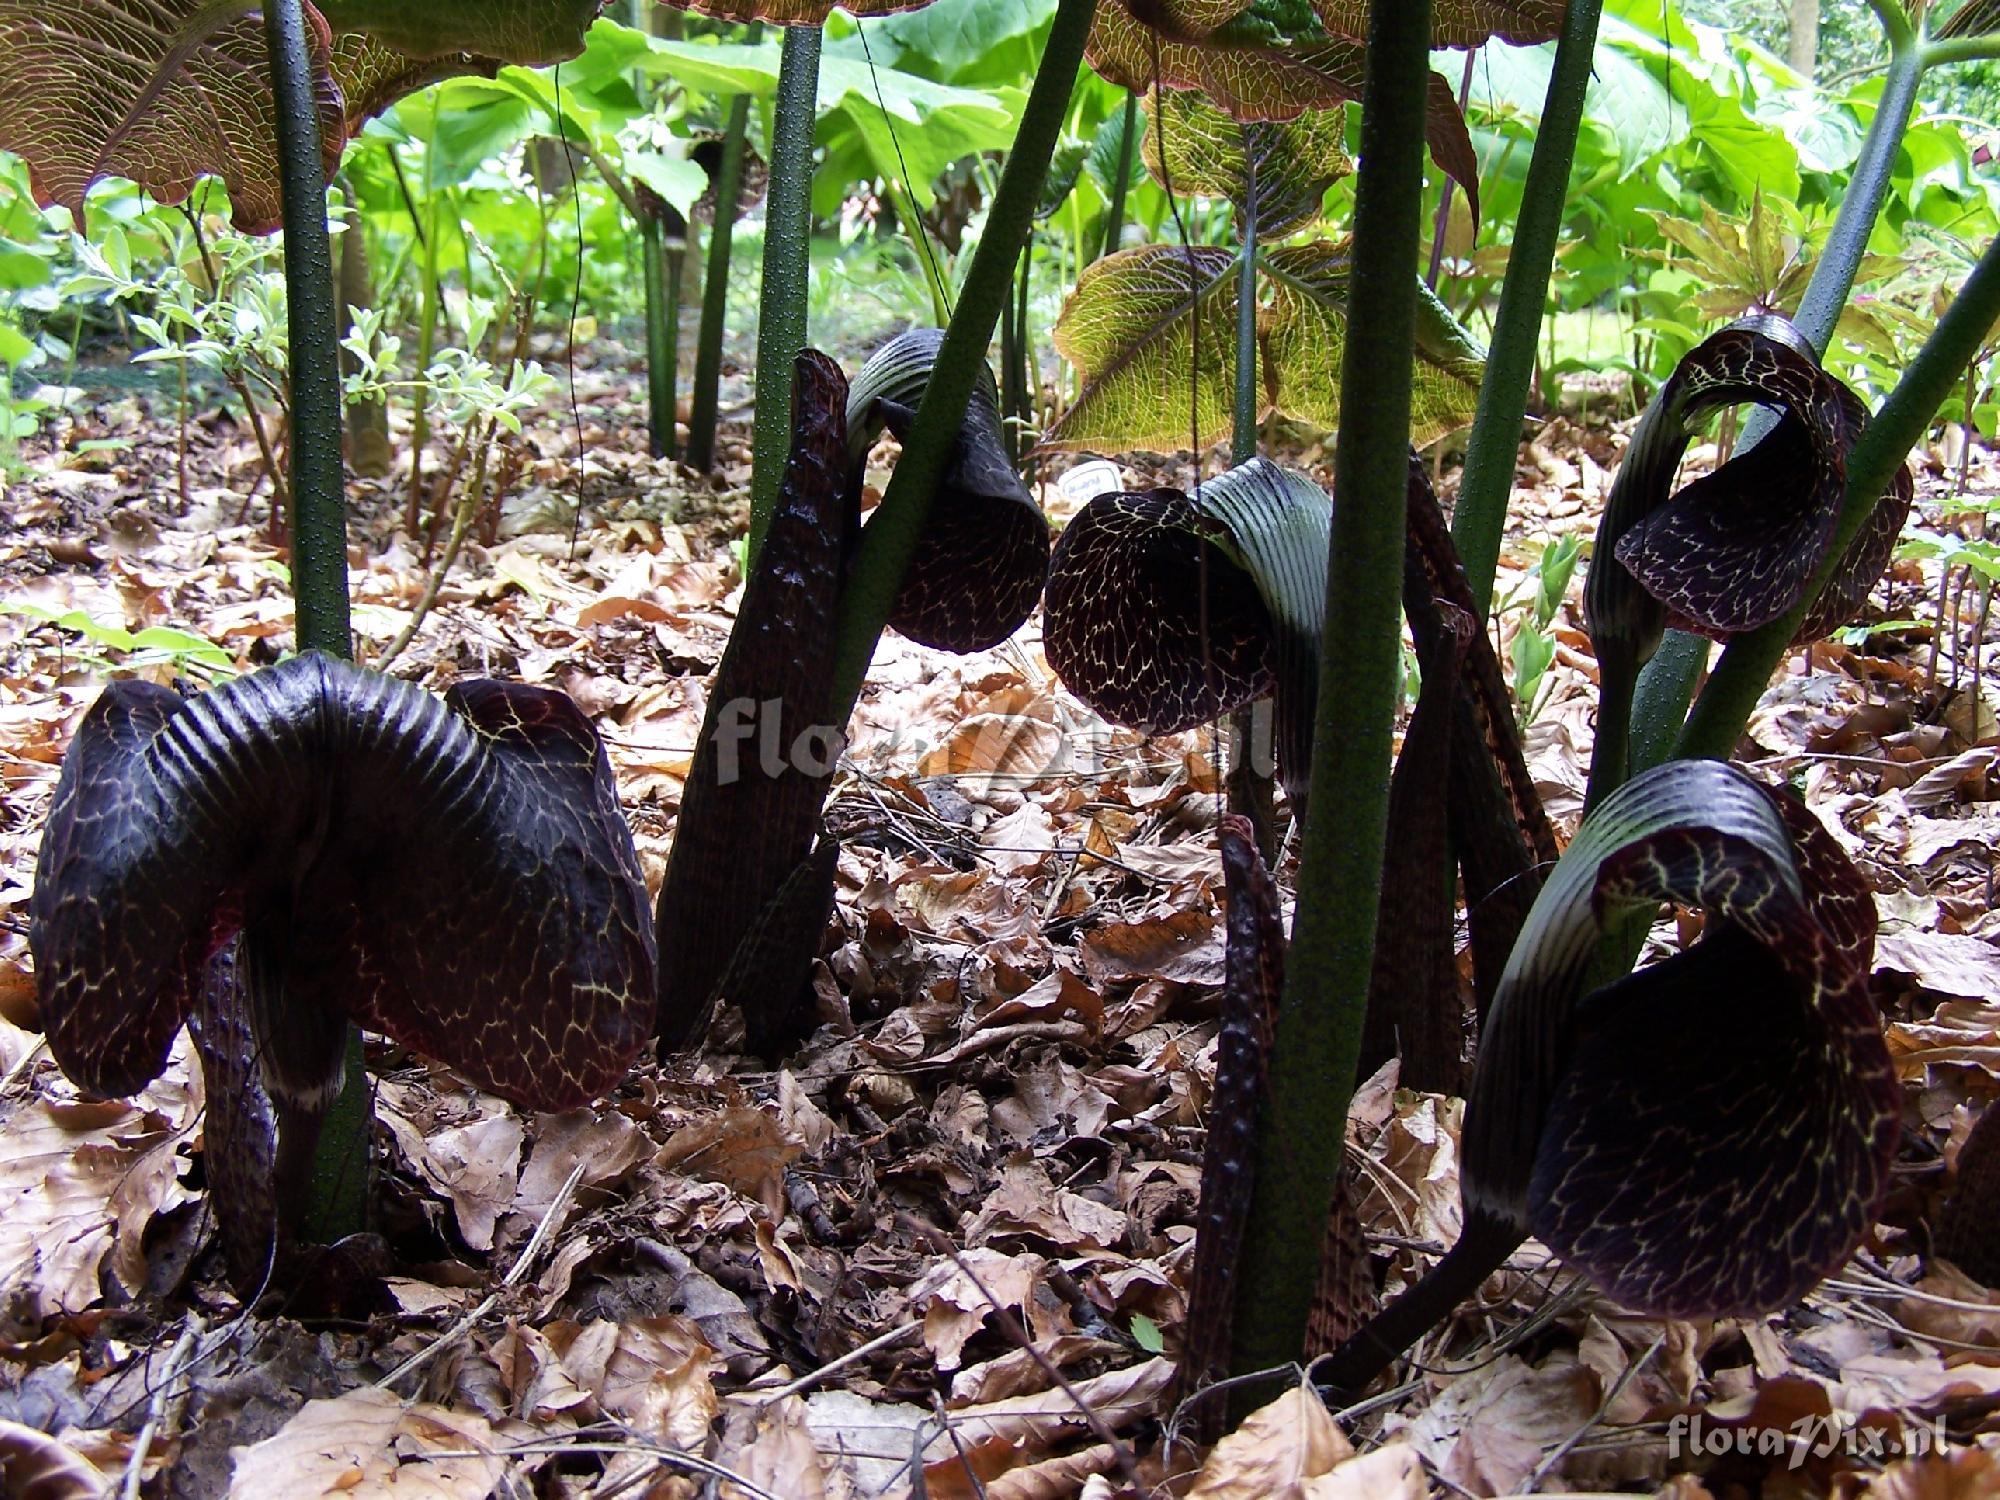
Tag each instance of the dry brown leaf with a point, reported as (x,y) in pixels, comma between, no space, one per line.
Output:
(1948,962)
(75,1180)
(771,1446)
(475,1166)
(1274,1452)
(741,1148)
(34,1466)
(1963,1474)
(952,1297)
(1488,1430)
(366,1445)
(1185,947)
(1391,1473)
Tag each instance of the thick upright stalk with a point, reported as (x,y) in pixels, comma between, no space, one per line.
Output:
(1243,441)
(1121,180)
(1667,683)
(1861,202)
(1488,482)
(1301,1134)
(427,320)
(890,539)
(319,512)
(702,416)
(781,308)
(1749,661)
(1251,781)
(659,344)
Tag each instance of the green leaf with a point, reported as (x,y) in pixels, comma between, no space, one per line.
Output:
(1146,1334)
(1194,146)
(935,124)
(15,346)
(678,180)
(1712,1135)
(1131,325)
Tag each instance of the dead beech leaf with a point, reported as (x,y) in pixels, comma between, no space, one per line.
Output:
(1276,1449)
(954,1305)
(1044,1419)
(741,1148)
(366,1445)
(37,1467)
(1487,1431)
(621,607)
(1185,947)
(1961,1474)
(1391,1473)
(772,1447)
(1948,962)
(74,1179)
(476,1167)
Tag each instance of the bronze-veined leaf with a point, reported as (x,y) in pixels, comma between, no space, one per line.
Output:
(168,91)
(1221,50)
(1196,148)
(1459,23)
(1132,324)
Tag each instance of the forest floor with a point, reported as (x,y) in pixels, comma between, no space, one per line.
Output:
(943,1251)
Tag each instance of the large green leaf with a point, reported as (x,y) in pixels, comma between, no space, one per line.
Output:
(935,124)
(167,91)
(1132,324)
(973,43)
(1195,147)
(1711,1135)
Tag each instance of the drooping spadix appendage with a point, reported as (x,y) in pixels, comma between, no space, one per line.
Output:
(984,552)
(1706,1137)
(316,844)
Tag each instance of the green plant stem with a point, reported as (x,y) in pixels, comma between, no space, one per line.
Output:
(890,539)
(1867,187)
(703,415)
(1480,517)
(1957,49)
(1667,683)
(319,517)
(1660,700)
(427,318)
(1300,1136)
(1747,664)
(659,374)
(781,310)
(1243,441)
(1121,181)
